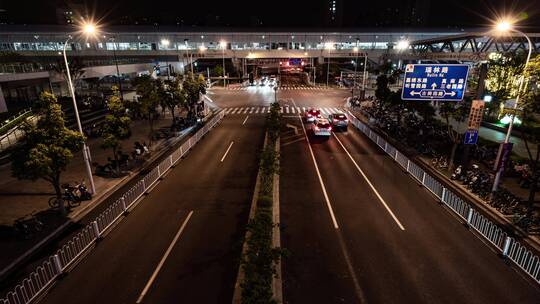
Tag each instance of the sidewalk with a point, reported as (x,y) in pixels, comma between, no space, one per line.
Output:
(498,137)
(21,197)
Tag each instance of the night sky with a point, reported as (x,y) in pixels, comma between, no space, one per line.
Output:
(277,13)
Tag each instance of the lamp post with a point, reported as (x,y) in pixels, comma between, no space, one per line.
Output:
(329,47)
(166,43)
(88,29)
(223,45)
(355,50)
(505,27)
(117,69)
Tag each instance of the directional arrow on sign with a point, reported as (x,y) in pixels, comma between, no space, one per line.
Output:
(414,93)
(433,86)
(451,93)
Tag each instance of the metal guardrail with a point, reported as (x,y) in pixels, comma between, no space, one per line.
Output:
(65,257)
(508,246)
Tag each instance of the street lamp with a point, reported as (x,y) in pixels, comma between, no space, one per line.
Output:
(501,28)
(329,46)
(166,43)
(223,45)
(88,29)
(117,68)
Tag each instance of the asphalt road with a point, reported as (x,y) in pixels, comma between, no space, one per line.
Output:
(189,227)
(355,247)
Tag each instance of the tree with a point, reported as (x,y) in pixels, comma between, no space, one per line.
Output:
(458,112)
(47,147)
(503,77)
(172,95)
(116,126)
(148,91)
(530,105)
(217,71)
(192,89)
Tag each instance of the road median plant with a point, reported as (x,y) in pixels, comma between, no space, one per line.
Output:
(260,258)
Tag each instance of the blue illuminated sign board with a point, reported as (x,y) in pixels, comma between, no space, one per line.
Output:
(435,82)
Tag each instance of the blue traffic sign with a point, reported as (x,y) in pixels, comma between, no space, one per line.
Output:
(435,82)
(471,137)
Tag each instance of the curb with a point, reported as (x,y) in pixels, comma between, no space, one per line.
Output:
(277,280)
(237,294)
(81,213)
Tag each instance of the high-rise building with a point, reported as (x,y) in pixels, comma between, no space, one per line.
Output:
(70,13)
(333,13)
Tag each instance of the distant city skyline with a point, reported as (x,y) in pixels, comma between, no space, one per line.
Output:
(319,13)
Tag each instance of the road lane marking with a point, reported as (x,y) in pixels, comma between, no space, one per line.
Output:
(158,268)
(370,185)
(251,110)
(257,111)
(245,120)
(334,221)
(234,111)
(225,155)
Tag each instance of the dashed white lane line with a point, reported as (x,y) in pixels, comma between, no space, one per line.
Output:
(328,204)
(226,152)
(371,185)
(243,123)
(158,268)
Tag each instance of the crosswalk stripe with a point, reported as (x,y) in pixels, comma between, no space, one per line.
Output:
(245,110)
(281,110)
(251,111)
(337,110)
(228,110)
(298,109)
(287,110)
(234,110)
(303,109)
(292,110)
(257,110)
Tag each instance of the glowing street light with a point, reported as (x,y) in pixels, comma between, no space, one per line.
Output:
(166,43)
(403,44)
(503,26)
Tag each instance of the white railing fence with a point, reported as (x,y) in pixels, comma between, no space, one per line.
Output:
(508,246)
(51,269)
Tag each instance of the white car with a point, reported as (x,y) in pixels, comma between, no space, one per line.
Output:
(321,127)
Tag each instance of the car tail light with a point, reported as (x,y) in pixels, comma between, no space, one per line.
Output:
(309,115)
(329,128)
(336,120)
(316,128)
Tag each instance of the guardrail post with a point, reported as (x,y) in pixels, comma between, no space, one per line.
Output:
(143,184)
(95,227)
(424,178)
(506,246)
(124,206)
(57,265)
(158,171)
(385,146)
(395,154)
(469,216)
(408,164)
(443,194)
(170,160)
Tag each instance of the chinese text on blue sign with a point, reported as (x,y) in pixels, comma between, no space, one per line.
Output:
(435,82)
(471,137)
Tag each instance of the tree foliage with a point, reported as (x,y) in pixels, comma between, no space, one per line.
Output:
(148,90)
(172,95)
(47,147)
(116,126)
(193,87)
(503,75)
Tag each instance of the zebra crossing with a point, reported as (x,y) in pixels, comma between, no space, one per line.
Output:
(305,88)
(284,110)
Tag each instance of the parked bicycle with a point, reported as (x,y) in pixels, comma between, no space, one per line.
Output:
(73,195)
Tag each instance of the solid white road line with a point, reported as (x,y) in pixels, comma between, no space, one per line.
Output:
(158,268)
(370,184)
(334,221)
(245,120)
(225,155)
